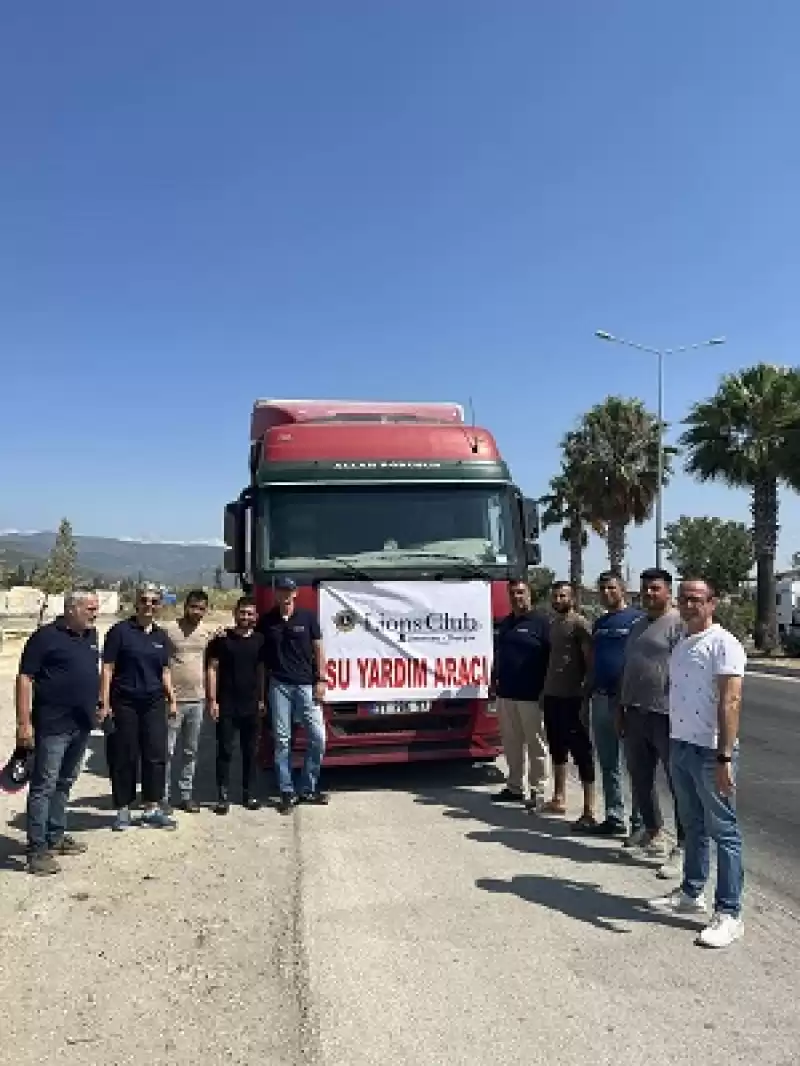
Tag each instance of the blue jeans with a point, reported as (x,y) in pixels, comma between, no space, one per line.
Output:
(57,763)
(186,726)
(608,748)
(294,704)
(707,816)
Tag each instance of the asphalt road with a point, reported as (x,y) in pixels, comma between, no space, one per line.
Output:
(411,921)
(768,788)
(769,785)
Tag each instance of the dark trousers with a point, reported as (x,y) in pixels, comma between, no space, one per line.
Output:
(567,734)
(228,725)
(57,763)
(646,745)
(139,739)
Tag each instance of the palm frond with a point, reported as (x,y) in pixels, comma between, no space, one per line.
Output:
(614,453)
(749,429)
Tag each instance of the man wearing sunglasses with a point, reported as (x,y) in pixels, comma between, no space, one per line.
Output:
(706,672)
(136,695)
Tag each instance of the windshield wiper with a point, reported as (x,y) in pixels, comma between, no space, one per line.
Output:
(351,568)
(467,568)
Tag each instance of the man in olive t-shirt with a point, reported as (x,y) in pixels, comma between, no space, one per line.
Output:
(564,698)
(189,637)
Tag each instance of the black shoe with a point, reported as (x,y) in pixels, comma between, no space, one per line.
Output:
(286,802)
(608,828)
(250,803)
(507,796)
(190,806)
(587,823)
(223,803)
(318,799)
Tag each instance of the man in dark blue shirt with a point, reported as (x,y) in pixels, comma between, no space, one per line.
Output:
(295,666)
(136,697)
(609,637)
(522,652)
(56,697)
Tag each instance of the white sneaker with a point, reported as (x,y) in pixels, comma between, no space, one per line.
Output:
(635,840)
(677,902)
(722,931)
(673,866)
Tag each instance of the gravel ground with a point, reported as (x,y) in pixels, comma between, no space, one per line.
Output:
(410,922)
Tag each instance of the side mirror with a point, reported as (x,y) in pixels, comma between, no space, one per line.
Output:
(533,553)
(235,555)
(530,519)
(530,531)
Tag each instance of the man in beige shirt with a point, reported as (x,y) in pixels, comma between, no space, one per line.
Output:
(564,701)
(189,637)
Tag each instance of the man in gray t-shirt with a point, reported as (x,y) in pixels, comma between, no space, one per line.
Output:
(644,714)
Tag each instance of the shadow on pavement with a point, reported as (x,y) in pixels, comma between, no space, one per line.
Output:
(12,853)
(437,779)
(584,901)
(519,830)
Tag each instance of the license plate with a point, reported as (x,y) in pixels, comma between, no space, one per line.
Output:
(397,707)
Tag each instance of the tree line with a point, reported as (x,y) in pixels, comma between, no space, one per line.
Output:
(60,571)
(747,435)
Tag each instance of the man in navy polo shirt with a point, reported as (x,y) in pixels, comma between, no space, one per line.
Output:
(610,634)
(136,698)
(522,652)
(56,699)
(295,664)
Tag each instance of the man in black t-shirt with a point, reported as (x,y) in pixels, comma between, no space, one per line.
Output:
(235,697)
(295,664)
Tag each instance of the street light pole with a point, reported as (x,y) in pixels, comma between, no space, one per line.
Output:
(660,465)
(660,354)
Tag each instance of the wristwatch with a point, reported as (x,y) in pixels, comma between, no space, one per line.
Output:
(723,758)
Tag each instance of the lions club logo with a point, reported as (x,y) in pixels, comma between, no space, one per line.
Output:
(345,620)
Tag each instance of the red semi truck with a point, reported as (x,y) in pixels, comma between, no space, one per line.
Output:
(401,526)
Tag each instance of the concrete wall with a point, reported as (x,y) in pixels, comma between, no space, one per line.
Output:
(23,601)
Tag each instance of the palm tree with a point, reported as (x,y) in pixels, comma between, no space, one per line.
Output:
(565,506)
(615,451)
(748,435)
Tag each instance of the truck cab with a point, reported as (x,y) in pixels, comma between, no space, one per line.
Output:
(367,505)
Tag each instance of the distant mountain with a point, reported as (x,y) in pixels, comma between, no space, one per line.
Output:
(167,563)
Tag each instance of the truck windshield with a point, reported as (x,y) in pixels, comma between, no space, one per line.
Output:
(387,526)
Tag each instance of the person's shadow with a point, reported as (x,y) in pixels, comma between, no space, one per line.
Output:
(584,901)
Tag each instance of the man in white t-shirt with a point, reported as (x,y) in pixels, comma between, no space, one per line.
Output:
(705,694)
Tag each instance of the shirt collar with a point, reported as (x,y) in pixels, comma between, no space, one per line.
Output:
(61,623)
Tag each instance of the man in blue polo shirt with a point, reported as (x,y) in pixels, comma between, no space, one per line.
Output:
(56,701)
(295,664)
(609,637)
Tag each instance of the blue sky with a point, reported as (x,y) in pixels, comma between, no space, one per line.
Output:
(434,199)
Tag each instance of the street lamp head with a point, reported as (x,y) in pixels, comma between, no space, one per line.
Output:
(603,335)
(717,340)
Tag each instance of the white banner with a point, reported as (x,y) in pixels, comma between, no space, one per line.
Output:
(406,640)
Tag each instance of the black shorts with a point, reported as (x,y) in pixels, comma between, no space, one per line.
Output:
(567,735)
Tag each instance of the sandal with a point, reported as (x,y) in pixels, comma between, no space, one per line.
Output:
(584,824)
(554,807)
